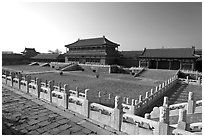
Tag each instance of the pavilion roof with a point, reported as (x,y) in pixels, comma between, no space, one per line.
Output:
(92,42)
(48,56)
(169,53)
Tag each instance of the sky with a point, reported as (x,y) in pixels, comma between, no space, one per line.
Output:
(134,25)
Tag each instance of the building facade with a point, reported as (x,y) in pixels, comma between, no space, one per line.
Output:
(48,57)
(129,58)
(29,52)
(169,58)
(92,51)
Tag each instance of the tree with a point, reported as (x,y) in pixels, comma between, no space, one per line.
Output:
(57,51)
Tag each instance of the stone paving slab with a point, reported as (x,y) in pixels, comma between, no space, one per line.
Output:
(24,114)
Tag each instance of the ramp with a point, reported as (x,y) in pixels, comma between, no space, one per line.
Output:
(45,65)
(71,67)
(34,64)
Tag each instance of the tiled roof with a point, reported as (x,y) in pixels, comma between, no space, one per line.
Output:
(168,53)
(131,54)
(92,42)
(95,53)
(48,56)
(198,52)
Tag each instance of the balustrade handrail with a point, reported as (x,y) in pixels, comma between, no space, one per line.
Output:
(182,132)
(194,72)
(76,98)
(73,91)
(139,119)
(101,107)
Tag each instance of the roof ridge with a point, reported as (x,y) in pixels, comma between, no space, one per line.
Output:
(91,38)
(170,48)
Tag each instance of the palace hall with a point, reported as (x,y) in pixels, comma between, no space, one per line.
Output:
(92,51)
(169,58)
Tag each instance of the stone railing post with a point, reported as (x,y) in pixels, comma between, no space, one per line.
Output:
(147,116)
(146,95)
(51,88)
(38,86)
(163,121)
(27,80)
(160,86)
(152,92)
(166,83)
(163,85)
(46,83)
(124,99)
(127,101)
(116,117)
(66,96)
(86,107)
(59,87)
(7,74)
(191,103)
(140,98)
(136,101)
(187,79)
(77,91)
(182,124)
(166,102)
(199,80)
(132,107)
(99,97)
(109,99)
(19,80)
(156,89)
(12,77)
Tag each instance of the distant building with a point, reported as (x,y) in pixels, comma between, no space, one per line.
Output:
(10,58)
(169,58)
(129,58)
(29,52)
(7,52)
(48,57)
(94,51)
(198,53)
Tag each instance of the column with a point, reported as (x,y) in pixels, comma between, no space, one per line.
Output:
(192,66)
(180,64)
(157,64)
(139,63)
(169,64)
(148,63)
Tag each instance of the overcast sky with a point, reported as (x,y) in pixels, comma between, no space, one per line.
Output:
(48,26)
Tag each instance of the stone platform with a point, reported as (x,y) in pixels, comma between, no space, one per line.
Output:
(24,114)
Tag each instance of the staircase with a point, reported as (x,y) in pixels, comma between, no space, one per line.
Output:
(158,74)
(180,94)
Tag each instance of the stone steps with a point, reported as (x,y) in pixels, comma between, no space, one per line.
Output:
(179,95)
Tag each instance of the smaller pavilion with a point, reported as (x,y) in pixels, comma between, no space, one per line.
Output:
(169,58)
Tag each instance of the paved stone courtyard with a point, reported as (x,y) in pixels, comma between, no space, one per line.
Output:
(24,114)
